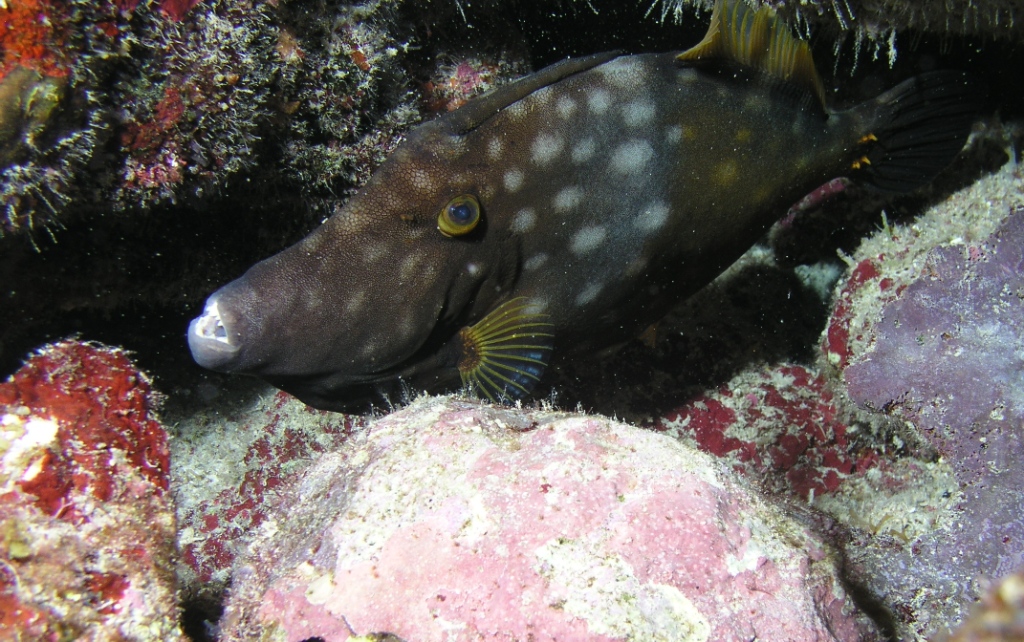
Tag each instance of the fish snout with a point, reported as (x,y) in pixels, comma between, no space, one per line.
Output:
(212,338)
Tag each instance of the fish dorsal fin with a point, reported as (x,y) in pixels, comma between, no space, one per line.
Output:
(759,39)
(476,111)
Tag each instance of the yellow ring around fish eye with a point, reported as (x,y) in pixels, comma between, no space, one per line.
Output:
(460,216)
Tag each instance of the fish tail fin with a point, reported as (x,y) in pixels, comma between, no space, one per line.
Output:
(916,129)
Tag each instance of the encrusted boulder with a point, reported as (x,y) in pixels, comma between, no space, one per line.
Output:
(86,530)
(455,520)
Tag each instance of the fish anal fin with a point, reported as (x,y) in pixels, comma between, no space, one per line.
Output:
(757,39)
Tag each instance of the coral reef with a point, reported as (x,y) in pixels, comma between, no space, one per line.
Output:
(962,321)
(190,118)
(85,524)
(218,131)
(456,518)
(49,124)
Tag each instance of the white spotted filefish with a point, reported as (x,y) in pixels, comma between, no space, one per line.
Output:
(566,211)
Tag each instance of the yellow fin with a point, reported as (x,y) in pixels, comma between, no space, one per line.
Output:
(506,352)
(759,39)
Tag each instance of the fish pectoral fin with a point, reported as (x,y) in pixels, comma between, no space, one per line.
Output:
(506,352)
(758,39)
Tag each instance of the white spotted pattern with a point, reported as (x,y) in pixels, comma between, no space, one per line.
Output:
(513,180)
(420,179)
(566,106)
(546,148)
(495,148)
(524,220)
(652,217)
(588,239)
(632,156)
(624,72)
(583,151)
(673,134)
(567,198)
(598,100)
(535,262)
(589,293)
(638,112)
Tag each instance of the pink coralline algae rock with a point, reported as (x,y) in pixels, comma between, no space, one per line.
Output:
(86,532)
(455,520)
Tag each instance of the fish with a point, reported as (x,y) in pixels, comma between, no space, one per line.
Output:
(565,212)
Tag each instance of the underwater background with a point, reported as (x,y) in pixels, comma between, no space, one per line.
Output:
(855,381)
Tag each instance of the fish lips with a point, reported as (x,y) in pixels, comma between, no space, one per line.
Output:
(213,336)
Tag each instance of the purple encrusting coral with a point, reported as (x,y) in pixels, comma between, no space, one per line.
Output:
(948,353)
(947,358)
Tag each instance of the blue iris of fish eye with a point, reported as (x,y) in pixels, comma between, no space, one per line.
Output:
(462,213)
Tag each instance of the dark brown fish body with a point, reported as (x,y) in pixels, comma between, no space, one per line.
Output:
(605,190)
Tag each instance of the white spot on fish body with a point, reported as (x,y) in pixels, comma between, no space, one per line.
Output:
(583,151)
(567,198)
(473,268)
(632,156)
(517,110)
(638,112)
(374,252)
(624,72)
(495,148)
(546,147)
(588,239)
(535,262)
(566,106)
(513,180)
(589,293)
(355,302)
(421,179)
(524,220)
(652,217)
(598,100)
(409,266)
(537,306)
(673,134)
(687,75)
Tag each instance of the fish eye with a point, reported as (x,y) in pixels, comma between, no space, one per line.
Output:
(460,216)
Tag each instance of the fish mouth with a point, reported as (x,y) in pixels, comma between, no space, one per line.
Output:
(209,338)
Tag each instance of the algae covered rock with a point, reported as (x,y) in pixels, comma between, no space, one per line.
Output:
(86,527)
(926,342)
(454,520)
